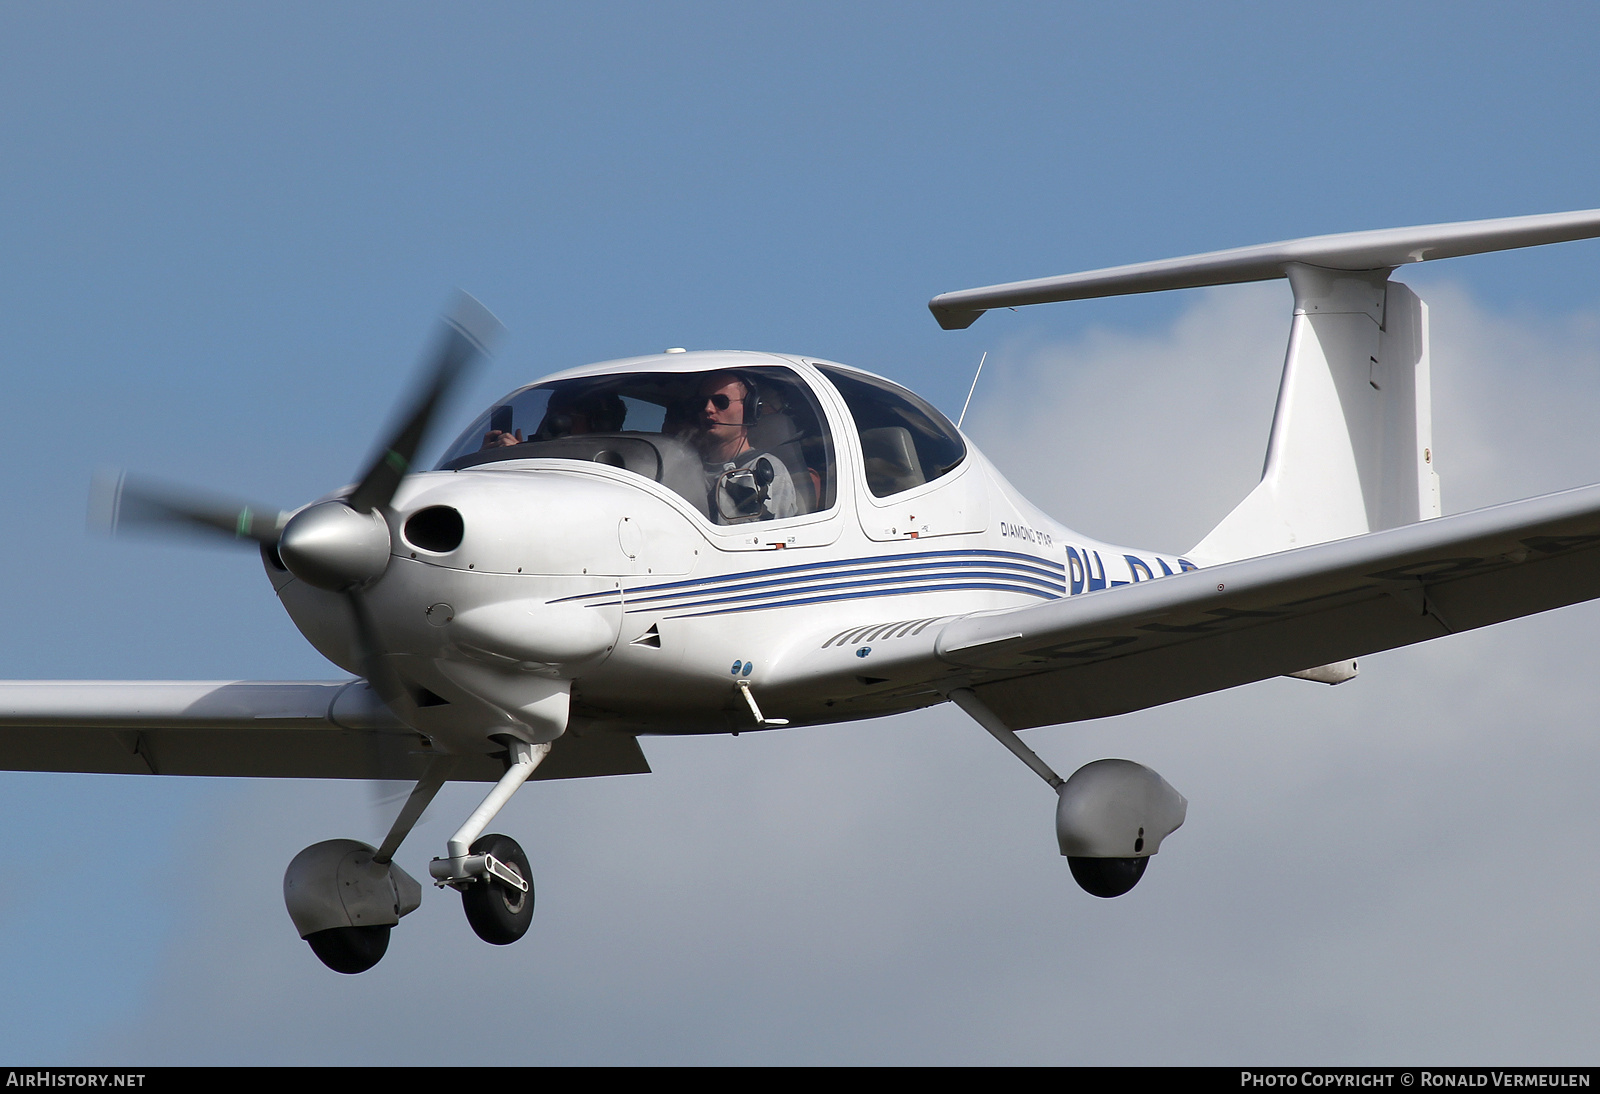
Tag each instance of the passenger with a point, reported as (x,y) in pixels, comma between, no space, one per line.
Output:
(572,411)
(744,484)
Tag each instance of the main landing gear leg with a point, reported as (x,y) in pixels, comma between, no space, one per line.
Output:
(419,798)
(968,700)
(491,872)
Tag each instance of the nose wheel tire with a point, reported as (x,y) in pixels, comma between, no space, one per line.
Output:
(499,913)
(350,949)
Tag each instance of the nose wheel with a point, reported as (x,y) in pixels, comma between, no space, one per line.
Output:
(499,904)
(491,872)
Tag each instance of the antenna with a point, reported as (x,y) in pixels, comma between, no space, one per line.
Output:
(971,389)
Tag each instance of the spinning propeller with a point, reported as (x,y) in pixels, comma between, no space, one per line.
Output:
(341,545)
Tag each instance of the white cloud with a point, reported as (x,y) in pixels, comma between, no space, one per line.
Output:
(1144,438)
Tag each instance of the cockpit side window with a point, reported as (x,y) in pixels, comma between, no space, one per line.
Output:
(905,442)
(740,445)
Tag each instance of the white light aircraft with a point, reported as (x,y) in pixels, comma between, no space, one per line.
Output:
(726,542)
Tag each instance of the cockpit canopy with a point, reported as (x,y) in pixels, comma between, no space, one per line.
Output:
(671,427)
(658,424)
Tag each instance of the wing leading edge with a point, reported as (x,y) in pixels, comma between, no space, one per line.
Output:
(1142,645)
(332,730)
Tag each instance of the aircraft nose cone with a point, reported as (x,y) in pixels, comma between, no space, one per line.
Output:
(331,546)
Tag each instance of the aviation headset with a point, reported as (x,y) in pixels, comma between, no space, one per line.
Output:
(752,399)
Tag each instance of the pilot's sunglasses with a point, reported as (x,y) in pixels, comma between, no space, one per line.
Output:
(719,400)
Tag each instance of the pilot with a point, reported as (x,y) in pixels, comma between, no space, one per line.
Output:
(745,484)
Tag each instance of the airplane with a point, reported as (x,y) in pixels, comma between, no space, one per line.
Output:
(728,542)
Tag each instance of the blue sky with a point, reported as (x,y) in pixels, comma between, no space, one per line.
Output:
(228,230)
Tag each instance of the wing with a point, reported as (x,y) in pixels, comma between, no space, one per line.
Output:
(1141,645)
(335,730)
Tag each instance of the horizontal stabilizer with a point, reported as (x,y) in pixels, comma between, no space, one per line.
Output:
(1383,249)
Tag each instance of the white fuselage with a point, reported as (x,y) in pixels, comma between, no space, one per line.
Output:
(594,575)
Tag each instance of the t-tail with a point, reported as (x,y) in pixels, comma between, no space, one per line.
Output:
(1351,447)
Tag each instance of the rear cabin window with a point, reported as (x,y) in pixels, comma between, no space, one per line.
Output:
(905,442)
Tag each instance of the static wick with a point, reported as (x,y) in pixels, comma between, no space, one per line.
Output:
(971,389)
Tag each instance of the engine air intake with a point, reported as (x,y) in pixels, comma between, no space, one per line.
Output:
(438,528)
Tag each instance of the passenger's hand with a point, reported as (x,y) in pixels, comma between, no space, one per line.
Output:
(498,438)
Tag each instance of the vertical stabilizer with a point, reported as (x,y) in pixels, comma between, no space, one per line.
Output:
(1352,436)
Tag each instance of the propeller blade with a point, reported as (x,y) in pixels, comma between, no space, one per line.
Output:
(119,503)
(468,333)
(332,553)
(374,663)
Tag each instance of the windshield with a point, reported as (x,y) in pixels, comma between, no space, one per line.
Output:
(741,445)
